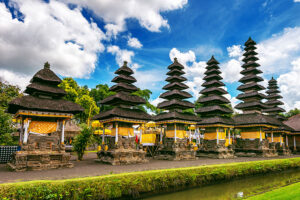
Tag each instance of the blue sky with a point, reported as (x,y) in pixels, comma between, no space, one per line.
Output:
(88,39)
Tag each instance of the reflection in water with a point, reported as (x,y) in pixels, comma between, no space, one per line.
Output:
(235,189)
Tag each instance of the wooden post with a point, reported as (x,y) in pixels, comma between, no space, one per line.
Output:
(161,134)
(190,138)
(175,133)
(141,133)
(21,131)
(217,135)
(260,134)
(295,144)
(272,137)
(229,136)
(117,133)
(287,140)
(63,132)
(103,133)
(26,131)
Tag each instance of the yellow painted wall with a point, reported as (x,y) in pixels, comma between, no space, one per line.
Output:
(124,131)
(275,139)
(179,133)
(148,138)
(252,135)
(213,136)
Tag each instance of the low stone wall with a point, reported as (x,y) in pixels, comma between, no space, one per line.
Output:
(6,153)
(210,148)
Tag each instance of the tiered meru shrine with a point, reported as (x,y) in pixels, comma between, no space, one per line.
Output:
(43,114)
(260,130)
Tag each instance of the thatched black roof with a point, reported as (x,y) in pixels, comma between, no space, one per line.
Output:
(131,114)
(213,90)
(273,97)
(175,72)
(214,109)
(216,120)
(175,115)
(215,99)
(175,104)
(175,78)
(250,87)
(213,71)
(123,99)
(44,95)
(175,94)
(176,65)
(42,104)
(213,83)
(175,86)
(255,119)
(294,123)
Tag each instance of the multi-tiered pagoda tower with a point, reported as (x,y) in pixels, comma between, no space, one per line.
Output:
(252,122)
(278,137)
(43,114)
(120,147)
(215,115)
(176,122)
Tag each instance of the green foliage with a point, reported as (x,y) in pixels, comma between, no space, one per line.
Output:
(82,140)
(132,185)
(291,113)
(7,93)
(89,105)
(99,93)
(145,94)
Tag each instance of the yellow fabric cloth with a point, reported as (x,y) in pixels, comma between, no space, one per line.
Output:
(124,131)
(227,142)
(42,127)
(100,132)
(96,124)
(179,133)
(213,136)
(148,138)
(252,135)
(275,139)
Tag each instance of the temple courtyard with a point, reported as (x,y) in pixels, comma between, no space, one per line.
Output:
(88,167)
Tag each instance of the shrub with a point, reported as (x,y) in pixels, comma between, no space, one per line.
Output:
(82,140)
(132,185)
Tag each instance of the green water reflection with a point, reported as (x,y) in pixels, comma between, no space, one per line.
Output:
(234,189)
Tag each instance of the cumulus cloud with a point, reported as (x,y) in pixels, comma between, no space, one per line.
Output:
(134,42)
(116,12)
(121,54)
(49,32)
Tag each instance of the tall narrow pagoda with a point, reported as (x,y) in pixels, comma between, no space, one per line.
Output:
(120,146)
(252,122)
(175,140)
(43,114)
(215,115)
(277,137)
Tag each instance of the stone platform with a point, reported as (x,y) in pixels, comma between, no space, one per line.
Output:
(124,153)
(170,150)
(254,148)
(211,149)
(40,153)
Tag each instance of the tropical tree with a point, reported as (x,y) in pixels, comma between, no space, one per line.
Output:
(99,93)
(82,140)
(291,113)
(145,94)
(90,107)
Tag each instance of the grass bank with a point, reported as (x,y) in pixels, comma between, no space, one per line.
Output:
(289,192)
(132,185)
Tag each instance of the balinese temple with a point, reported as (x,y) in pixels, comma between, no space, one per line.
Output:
(174,141)
(252,123)
(278,138)
(294,137)
(120,147)
(215,115)
(43,114)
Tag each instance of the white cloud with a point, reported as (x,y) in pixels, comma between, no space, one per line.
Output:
(121,54)
(117,11)
(15,78)
(156,101)
(296,1)
(134,42)
(235,51)
(231,70)
(50,32)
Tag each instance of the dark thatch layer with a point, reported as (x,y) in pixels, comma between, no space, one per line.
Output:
(38,87)
(175,103)
(214,83)
(212,76)
(124,78)
(123,87)
(133,114)
(250,57)
(213,71)
(251,70)
(251,104)
(255,118)
(124,70)
(294,122)
(175,78)
(123,97)
(212,60)
(251,78)
(177,94)
(175,72)
(273,102)
(216,120)
(251,64)
(46,75)
(249,86)
(274,109)
(272,91)
(176,65)
(175,115)
(213,99)
(274,96)
(214,109)
(175,85)
(39,104)
(251,95)
(213,90)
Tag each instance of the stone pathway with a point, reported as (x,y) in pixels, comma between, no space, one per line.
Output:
(88,167)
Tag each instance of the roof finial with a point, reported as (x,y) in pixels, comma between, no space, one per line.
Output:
(125,63)
(175,59)
(46,65)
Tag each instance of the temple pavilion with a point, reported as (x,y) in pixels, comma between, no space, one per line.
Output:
(215,114)
(43,114)
(294,136)
(278,138)
(175,143)
(120,146)
(252,123)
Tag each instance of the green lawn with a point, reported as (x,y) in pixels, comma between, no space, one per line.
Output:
(288,192)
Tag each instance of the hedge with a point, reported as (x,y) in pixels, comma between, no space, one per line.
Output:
(135,184)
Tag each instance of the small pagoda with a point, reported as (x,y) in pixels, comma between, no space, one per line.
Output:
(120,147)
(175,144)
(252,123)
(277,137)
(43,114)
(215,115)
